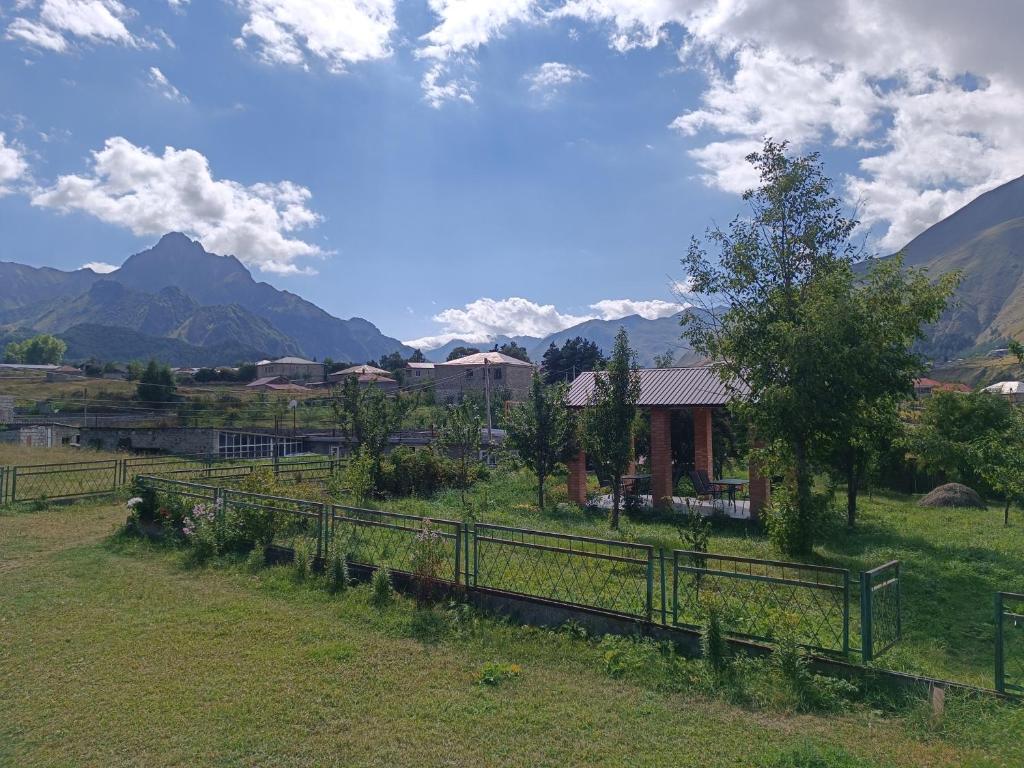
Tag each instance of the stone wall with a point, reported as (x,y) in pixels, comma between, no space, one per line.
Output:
(180,440)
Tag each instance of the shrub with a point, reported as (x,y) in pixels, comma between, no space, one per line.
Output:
(256,559)
(427,560)
(713,644)
(336,571)
(495,673)
(381,590)
(358,476)
(302,565)
(792,529)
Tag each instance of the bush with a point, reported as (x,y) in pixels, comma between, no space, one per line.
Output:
(336,571)
(302,565)
(791,529)
(713,645)
(256,560)
(495,673)
(427,559)
(381,590)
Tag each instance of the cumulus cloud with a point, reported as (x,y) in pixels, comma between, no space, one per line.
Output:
(336,32)
(13,166)
(55,23)
(650,309)
(159,82)
(481,321)
(99,267)
(439,87)
(151,194)
(549,78)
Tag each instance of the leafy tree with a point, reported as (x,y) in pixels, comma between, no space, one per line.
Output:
(541,430)
(368,416)
(458,352)
(135,370)
(156,384)
(771,270)
(417,357)
(1000,459)
(393,363)
(460,435)
(43,349)
(608,421)
(246,372)
(665,360)
(952,426)
(575,356)
(512,349)
(864,330)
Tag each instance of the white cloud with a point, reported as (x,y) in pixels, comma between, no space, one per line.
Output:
(13,166)
(99,267)
(465,25)
(549,78)
(437,90)
(93,21)
(337,32)
(650,309)
(159,82)
(481,321)
(884,80)
(151,194)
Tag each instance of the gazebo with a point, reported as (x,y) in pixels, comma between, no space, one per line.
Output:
(662,391)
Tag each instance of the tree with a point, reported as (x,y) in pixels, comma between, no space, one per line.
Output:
(460,434)
(665,360)
(39,350)
(156,384)
(541,430)
(1000,459)
(865,329)
(417,357)
(608,420)
(951,426)
(368,416)
(767,268)
(574,357)
(512,349)
(458,352)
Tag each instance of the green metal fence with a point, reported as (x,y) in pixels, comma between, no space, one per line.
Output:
(612,576)
(374,538)
(1010,643)
(296,518)
(71,480)
(763,599)
(881,609)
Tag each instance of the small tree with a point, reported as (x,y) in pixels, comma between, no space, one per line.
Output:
(156,384)
(458,352)
(368,416)
(513,349)
(460,434)
(665,360)
(1000,459)
(608,420)
(541,430)
(575,356)
(39,350)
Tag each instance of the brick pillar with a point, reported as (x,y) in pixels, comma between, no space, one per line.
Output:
(661,456)
(760,488)
(578,478)
(702,446)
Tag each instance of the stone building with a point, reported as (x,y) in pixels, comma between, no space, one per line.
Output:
(291,368)
(474,373)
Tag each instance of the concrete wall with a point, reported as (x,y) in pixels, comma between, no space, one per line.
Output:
(292,371)
(169,440)
(453,381)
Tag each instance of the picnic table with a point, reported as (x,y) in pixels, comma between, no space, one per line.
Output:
(731,486)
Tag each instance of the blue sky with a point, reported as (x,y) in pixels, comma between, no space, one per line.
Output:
(470,167)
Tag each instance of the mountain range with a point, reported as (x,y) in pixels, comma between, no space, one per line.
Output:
(178,291)
(177,302)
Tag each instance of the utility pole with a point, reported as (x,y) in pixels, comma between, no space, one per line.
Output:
(85,419)
(487,399)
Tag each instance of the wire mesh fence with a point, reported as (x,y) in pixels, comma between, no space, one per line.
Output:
(881,615)
(1010,643)
(612,576)
(763,599)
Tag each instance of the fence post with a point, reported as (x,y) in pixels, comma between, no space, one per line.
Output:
(458,551)
(3,485)
(14,484)
(476,557)
(846,614)
(675,587)
(1000,671)
(865,617)
(650,583)
(661,559)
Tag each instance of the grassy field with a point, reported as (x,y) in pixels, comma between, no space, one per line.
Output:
(13,453)
(116,653)
(953,561)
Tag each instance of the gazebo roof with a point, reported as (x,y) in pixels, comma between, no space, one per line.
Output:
(668,388)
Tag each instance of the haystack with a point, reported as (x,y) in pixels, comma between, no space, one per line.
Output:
(953,495)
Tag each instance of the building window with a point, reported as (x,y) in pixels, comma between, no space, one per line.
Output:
(469,373)
(497,374)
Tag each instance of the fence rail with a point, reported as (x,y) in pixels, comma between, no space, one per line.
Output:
(72,480)
(881,610)
(1010,643)
(764,599)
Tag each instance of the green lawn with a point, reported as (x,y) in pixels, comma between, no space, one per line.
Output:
(116,653)
(953,561)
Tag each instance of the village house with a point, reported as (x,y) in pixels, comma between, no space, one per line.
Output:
(295,369)
(477,372)
(1011,390)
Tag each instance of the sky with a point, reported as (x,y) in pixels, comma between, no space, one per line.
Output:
(465,168)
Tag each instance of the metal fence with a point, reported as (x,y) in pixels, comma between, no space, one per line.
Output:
(758,599)
(1010,643)
(763,599)
(612,576)
(881,615)
(72,480)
